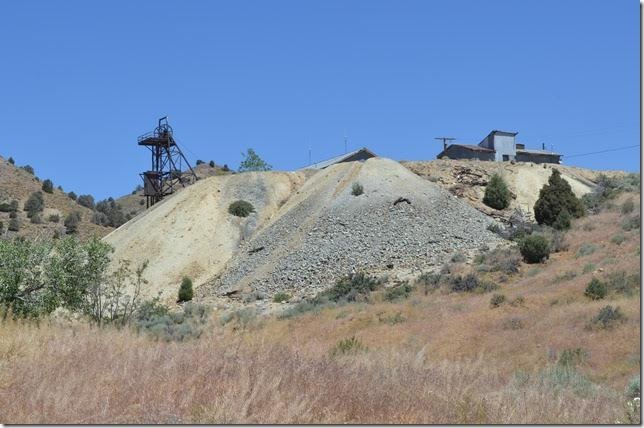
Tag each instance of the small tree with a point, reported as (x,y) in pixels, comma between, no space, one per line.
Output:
(11,161)
(86,201)
(72,196)
(36,218)
(199,162)
(35,204)
(14,225)
(534,249)
(596,289)
(252,162)
(562,222)
(71,222)
(29,169)
(212,164)
(497,194)
(185,291)
(554,197)
(48,186)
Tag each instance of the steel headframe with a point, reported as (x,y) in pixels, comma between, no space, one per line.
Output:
(168,161)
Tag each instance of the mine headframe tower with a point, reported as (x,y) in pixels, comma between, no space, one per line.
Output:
(166,174)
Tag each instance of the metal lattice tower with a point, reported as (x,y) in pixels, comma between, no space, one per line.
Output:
(166,173)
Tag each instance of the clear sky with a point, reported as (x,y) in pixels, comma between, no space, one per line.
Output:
(80,80)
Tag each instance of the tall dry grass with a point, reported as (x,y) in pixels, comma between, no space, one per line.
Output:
(57,374)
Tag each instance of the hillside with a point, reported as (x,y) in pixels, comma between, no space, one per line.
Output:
(18,184)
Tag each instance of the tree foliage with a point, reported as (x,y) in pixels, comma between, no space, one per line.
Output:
(35,204)
(534,249)
(72,221)
(185,291)
(86,201)
(48,186)
(252,162)
(497,194)
(554,197)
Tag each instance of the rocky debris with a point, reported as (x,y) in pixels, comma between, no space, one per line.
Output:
(329,233)
(470,176)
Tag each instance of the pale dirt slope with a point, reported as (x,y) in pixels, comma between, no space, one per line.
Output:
(192,233)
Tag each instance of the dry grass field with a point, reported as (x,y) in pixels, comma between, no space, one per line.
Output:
(435,357)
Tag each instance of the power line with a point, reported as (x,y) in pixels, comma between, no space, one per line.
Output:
(602,151)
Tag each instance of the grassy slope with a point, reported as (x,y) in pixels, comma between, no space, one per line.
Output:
(450,360)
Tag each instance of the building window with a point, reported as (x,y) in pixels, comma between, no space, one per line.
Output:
(506,158)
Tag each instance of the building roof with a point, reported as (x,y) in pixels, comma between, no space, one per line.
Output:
(538,152)
(497,131)
(470,147)
(339,158)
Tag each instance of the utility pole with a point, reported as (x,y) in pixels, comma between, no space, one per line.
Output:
(345,142)
(445,140)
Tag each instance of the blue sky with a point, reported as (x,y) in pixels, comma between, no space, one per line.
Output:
(80,80)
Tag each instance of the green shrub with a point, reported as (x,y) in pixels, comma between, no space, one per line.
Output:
(506,260)
(35,204)
(242,318)
(566,276)
(429,281)
(357,189)
(512,323)
(618,239)
(470,283)
(11,161)
(620,283)
(631,223)
(397,318)
(458,258)
(497,194)
(241,208)
(157,322)
(596,289)
(586,250)
(9,207)
(252,162)
(48,186)
(554,197)
(86,201)
(588,267)
(495,228)
(29,169)
(497,300)
(36,219)
(633,388)
(401,291)
(572,357)
(562,222)
(54,218)
(72,221)
(14,225)
(534,249)
(185,290)
(199,162)
(628,206)
(607,317)
(348,347)
(211,164)
(351,288)
(281,297)
(518,301)
(72,196)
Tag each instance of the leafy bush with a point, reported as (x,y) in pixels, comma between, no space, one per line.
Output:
(534,249)
(11,161)
(397,318)
(506,260)
(72,221)
(252,162)
(518,301)
(562,222)
(351,288)
(495,228)
(572,357)
(199,162)
(429,281)
(242,318)
(109,213)
(357,189)
(631,223)
(72,196)
(48,186)
(35,204)
(54,218)
(185,291)
(608,188)
(347,347)
(281,297)
(513,323)
(596,289)
(554,197)
(588,267)
(607,317)
(558,242)
(14,225)
(86,200)
(29,169)
(157,322)
(458,257)
(586,250)
(633,388)
(401,291)
(211,164)
(470,283)
(628,206)
(566,276)
(36,219)
(618,239)
(9,207)
(497,194)
(497,300)
(241,208)
(620,283)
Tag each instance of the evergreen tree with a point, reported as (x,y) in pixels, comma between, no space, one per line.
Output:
(554,197)
(48,186)
(252,162)
(497,194)
(185,291)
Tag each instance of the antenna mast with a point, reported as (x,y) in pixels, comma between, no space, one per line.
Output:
(167,160)
(445,140)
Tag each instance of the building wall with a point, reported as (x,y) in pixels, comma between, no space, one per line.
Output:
(457,152)
(537,158)
(504,145)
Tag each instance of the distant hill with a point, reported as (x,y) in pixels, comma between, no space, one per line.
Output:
(17,184)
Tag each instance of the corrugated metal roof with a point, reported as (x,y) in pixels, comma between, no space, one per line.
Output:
(338,159)
(537,152)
